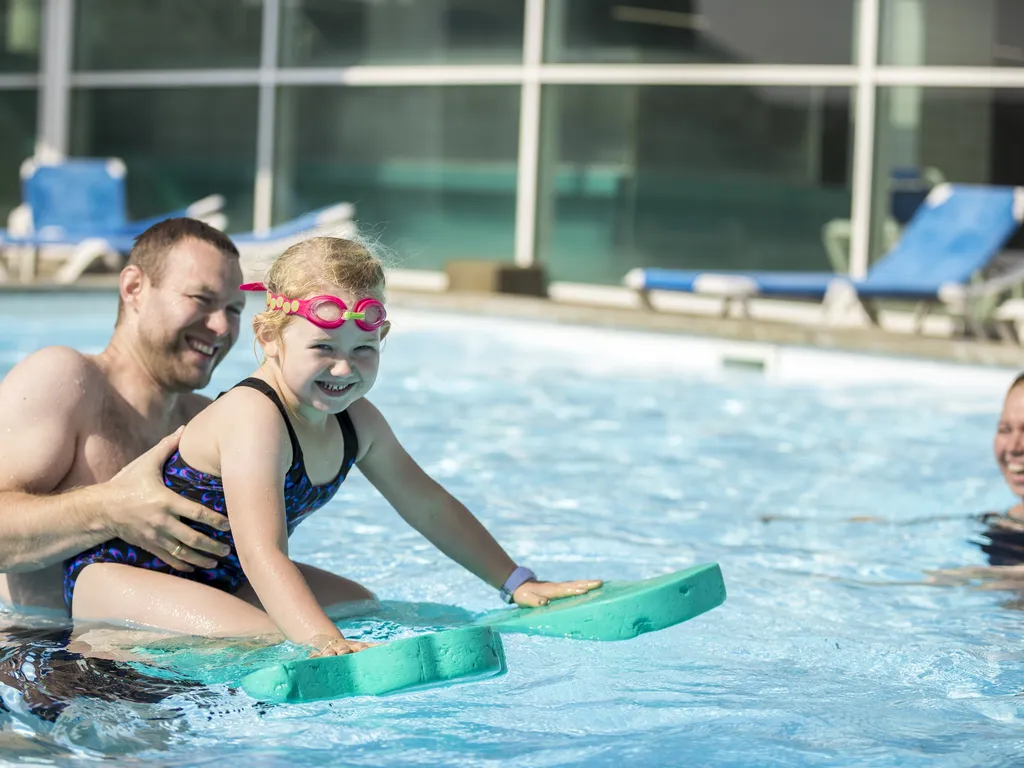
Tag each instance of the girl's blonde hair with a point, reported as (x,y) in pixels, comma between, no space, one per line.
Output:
(318,265)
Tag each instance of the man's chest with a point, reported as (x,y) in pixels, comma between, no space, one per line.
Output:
(112,443)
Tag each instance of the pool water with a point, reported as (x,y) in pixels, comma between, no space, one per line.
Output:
(597,453)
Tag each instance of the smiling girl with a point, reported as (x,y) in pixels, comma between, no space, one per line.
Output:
(273,450)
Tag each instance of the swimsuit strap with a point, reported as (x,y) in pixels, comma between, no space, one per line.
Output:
(348,432)
(261,386)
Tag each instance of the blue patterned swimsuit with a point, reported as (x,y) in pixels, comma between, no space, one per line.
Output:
(301,499)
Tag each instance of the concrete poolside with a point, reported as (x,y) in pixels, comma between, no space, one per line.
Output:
(772,322)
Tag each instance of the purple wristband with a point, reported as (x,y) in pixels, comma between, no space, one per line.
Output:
(519,577)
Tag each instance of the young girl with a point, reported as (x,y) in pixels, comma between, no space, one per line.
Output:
(274,449)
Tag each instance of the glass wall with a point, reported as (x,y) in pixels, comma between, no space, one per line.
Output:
(20,35)
(21,24)
(683,133)
(17,143)
(431,170)
(701,31)
(726,177)
(179,144)
(929,135)
(979,33)
(167,34)
(340,32)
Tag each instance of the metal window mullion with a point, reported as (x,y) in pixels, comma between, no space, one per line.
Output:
(263,192)
(509,74)
(698,74)
(162,78)
(55,92)
(19,82)
(951,77)
(528,158)
(864,140)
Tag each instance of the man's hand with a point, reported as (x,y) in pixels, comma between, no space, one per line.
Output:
(145,512)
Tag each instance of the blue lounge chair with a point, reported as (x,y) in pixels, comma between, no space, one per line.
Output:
(951,238)
(69,203)
(253,246)
(77,209)
(86,197)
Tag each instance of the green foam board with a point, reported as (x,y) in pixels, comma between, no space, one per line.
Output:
(620,610)
(432,659)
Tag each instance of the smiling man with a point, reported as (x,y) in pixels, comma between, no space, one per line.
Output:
(85,436)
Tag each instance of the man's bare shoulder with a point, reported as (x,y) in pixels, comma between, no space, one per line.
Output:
(48,400)
(59,376)
(192,404)
(64,359)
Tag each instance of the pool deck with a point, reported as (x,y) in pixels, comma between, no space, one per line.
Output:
(864,340)
(873,341)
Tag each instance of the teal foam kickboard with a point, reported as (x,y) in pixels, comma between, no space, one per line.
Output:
(620,610)
(436,658)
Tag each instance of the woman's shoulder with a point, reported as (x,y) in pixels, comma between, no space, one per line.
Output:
(1012,518)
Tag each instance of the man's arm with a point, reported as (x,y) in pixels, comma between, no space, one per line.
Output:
(45,401)
(42,409)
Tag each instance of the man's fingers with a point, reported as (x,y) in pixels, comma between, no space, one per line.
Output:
(170,559)
(201,514)
(193,539)
(162,451)
(182,554)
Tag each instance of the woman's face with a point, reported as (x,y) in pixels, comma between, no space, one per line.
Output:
(1009,442)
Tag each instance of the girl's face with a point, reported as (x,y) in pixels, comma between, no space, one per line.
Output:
(328,370)
(1009,441)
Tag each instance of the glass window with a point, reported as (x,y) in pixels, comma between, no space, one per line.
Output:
(979,33)
(20,35)
(704,177)
(179,144)
(17,143)
(926,136)
(167,34)
(431,171)
(339,32)
(704,31)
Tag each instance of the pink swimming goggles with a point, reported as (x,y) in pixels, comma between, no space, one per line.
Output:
(326,312)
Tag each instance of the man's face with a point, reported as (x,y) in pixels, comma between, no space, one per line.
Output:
(189,320)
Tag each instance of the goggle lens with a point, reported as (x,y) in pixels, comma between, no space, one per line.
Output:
(373,315)
(326,312)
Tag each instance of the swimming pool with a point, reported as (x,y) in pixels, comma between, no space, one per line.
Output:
(625,455)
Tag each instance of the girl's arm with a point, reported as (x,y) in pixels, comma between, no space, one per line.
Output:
(254,457)
(438,515)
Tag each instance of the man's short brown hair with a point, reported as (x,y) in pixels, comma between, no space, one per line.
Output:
(151,248)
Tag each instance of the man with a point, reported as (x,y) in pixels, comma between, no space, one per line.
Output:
(85,436)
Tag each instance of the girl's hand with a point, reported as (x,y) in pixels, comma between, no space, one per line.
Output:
(532,594)
(339,646)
